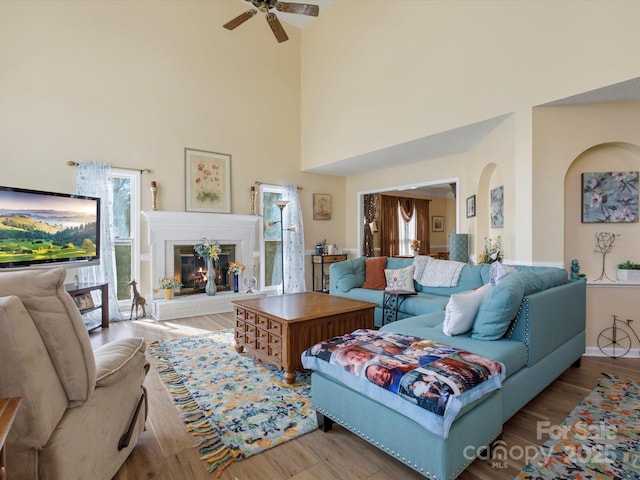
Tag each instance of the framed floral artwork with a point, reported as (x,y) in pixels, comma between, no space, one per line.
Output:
(208,181)
(609,197)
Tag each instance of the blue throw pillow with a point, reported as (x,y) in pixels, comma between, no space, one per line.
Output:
(348,274)
(499,308)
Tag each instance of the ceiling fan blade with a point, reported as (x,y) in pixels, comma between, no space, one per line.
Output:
(299,8)
(240,19)
(276,27)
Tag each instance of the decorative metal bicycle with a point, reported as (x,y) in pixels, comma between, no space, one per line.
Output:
(615,341)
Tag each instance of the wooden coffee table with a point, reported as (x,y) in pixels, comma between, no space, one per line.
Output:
(278,329)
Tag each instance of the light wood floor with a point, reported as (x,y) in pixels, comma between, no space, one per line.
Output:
(165,452)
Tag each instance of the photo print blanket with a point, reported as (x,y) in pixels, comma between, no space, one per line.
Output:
(426,381)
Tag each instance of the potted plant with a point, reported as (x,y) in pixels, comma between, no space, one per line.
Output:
(628,272)
(492,251)
(168,284)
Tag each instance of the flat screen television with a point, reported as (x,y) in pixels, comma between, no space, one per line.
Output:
(40,228)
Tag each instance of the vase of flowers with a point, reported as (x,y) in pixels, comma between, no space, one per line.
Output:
(209,251)
(492,251)
(168,284)
(236,268)
(415,246)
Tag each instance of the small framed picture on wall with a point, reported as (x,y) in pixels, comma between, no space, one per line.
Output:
(437,223)
(321,206)
(497,207)
(471,206)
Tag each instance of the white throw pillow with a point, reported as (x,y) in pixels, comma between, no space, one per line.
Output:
(400,279)
(498,272)
(462,309)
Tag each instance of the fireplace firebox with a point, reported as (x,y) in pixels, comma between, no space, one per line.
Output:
(191,270)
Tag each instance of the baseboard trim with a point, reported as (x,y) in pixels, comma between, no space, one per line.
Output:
(595,352)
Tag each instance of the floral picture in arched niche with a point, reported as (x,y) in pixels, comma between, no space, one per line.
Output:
(497,207)
(610,197)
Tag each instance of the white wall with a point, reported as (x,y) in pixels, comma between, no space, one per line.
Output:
(397,71)
(134,83)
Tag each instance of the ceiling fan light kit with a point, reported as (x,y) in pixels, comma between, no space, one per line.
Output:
(265,7)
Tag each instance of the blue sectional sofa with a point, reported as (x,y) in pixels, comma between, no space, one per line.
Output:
(544,335)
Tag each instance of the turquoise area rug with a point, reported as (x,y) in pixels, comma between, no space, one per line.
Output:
(598,440)
(234,406)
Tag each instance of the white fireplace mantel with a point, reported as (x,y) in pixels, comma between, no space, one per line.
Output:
(167,229)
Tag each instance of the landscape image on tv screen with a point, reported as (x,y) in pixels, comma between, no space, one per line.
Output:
(42,227)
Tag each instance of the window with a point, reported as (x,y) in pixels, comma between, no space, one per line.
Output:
(270,238)
(406,233)
(126,230)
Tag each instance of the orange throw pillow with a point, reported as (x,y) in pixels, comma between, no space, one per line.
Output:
(374,273)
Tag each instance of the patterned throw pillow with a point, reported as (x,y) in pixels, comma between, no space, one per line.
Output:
(400,279)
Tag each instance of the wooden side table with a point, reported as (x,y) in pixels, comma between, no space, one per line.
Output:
(321,261)
(82,291)
(8,411)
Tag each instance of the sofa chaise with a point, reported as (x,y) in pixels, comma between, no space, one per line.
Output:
(537,332)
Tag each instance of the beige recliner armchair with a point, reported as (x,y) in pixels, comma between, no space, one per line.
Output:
(82,409)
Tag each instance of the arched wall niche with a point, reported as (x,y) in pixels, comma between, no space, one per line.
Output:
(579,237)
(483,206)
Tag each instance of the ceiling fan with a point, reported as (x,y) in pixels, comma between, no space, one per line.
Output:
(265,6)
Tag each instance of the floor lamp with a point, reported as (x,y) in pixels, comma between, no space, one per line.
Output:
(281,204)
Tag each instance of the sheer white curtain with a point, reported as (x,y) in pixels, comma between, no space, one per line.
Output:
(293,242)
(94,180)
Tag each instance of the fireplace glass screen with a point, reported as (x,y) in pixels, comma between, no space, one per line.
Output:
(190,269)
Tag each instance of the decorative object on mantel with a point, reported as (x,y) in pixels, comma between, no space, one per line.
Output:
(209,251)
(236,268)
(168,284)
(154,195)
(492,251)
(250,282)
(610,197)
(628,272)
(253,203)
(208,177)
(604,245)
(137,300)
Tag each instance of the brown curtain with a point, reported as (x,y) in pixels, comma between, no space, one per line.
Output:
(369,216)
(406,208)
(389,226)
(422,224)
